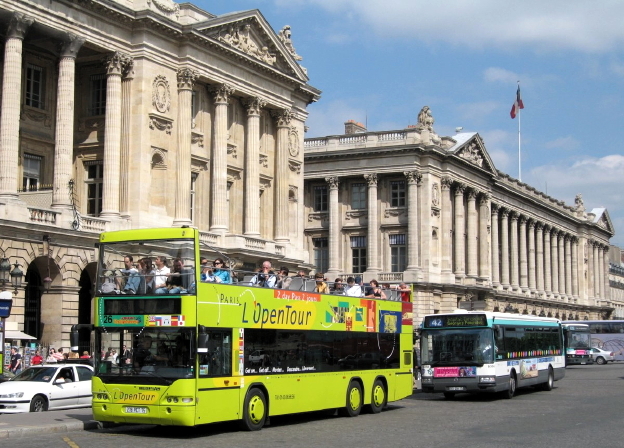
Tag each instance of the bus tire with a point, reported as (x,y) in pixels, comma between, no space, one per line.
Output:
(511,390)
(254,410)
(354,400)
(379,397)
(548,385)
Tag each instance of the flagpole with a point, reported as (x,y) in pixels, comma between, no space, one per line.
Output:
(519,143)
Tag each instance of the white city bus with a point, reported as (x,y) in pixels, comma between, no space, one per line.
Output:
(478,351)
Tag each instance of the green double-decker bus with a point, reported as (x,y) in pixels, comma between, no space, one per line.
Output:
(198,352)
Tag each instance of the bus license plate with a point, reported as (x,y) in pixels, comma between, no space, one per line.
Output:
(135,410)
(456,388)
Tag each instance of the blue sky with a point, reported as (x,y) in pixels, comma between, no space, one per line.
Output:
(380,62)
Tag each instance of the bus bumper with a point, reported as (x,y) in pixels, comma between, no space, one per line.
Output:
(154,414)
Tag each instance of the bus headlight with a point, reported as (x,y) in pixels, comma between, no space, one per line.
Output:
(487,379)
(179,399)
(101,396)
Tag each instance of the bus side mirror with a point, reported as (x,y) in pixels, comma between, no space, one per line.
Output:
(202,340)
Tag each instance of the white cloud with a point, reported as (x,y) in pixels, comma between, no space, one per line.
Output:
(568,143)
(553,25)
(497,74)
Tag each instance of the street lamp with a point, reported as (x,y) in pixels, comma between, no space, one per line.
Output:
(5,267)
(14,276)
(47,281)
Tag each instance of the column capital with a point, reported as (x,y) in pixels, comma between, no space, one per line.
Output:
(413,177)
(505,212)
(554,231)
(532,223)
(472,194)
(282,117)
(18,25)
(539,226)
(495,208)
(446,182)
(523,220)
(221,93)
(70,45)
(514,215)
(254,105)
(484,198)
(333,182)
(574,239)
(186,78)
(115,63)
(547,228)
(459,189)
(371,179)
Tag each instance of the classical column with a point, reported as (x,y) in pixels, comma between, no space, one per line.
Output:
(447,227)
(282,175)
(334,265)
(554,253)
(562,277)
(484,253)
(532,274)
(64,133)
(495,248)
(505,248)
(220,212)
(597,275)
(568,266)
(522,241)
(590,268)
(574,255)
(115,64)
(11,100)
(472,247)
(515,275)
(413,177)
(604,277)
(186,79)
(539,257)
(252,167)
(460,260)
(125,166)
(372,257)
(547,261)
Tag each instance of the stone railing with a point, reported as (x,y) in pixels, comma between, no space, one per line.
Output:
(255,243)
(315,142)
(352,139)
(42,216)
(365,139)
(211,239)
(92,224)
(41,199)
(391,136)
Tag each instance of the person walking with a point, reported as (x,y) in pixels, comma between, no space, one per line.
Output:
(16,361)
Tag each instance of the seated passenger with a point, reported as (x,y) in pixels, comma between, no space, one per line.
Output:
(265,277)
(130,275)
(353,289)
(375,291)
(180,278)
(161,275)
(321,286)
(146,275)
(283,280)
(219,273)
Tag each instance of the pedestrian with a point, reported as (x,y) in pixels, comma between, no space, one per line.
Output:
(36,359)
(16,361)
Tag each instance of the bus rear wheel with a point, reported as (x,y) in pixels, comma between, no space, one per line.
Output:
(254,410)
(548,385)
(379,397)
(354,400)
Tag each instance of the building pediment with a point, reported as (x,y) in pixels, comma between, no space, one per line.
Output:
(471,149)
(248,33)
(603,220)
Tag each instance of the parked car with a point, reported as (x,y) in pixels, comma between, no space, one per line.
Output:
(47,387)
(601,356)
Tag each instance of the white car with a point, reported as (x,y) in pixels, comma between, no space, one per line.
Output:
(601,356)
(47,387)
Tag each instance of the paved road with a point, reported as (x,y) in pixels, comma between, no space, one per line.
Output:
(586,408)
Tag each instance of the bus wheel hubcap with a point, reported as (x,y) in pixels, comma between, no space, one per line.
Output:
(378,396)
(256,409)
(354,398)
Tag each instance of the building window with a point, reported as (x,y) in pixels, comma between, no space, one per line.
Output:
(31,176)
(358,196)
(358,254)
(398,253)
(320,199)
(193,191)
(321,254)
(98,95)
(397,193)
(94,188)
(35,86)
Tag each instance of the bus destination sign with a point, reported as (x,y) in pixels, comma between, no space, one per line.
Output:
(455,321)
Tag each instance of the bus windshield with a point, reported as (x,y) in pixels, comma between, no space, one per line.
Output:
(141,268)
(145,355)
(580,339)
(457,347)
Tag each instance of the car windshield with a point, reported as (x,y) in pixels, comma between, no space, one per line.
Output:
(42,374)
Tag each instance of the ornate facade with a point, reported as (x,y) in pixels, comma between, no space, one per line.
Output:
(129,114)
(409,205)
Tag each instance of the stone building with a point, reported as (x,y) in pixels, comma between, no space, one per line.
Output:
(616,281)
(409,205)
(121,114)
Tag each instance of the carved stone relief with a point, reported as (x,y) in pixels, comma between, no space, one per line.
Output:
(295,166)
(242,39)
(293,142)
(161,94)
(472,153)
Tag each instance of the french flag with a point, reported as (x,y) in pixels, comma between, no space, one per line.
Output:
(517,105)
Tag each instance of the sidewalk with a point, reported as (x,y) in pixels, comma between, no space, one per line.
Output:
(14,426)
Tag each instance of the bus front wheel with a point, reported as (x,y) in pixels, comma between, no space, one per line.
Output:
(354,400)
(379,397)
(511,390)
(254,410)
(548,385)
